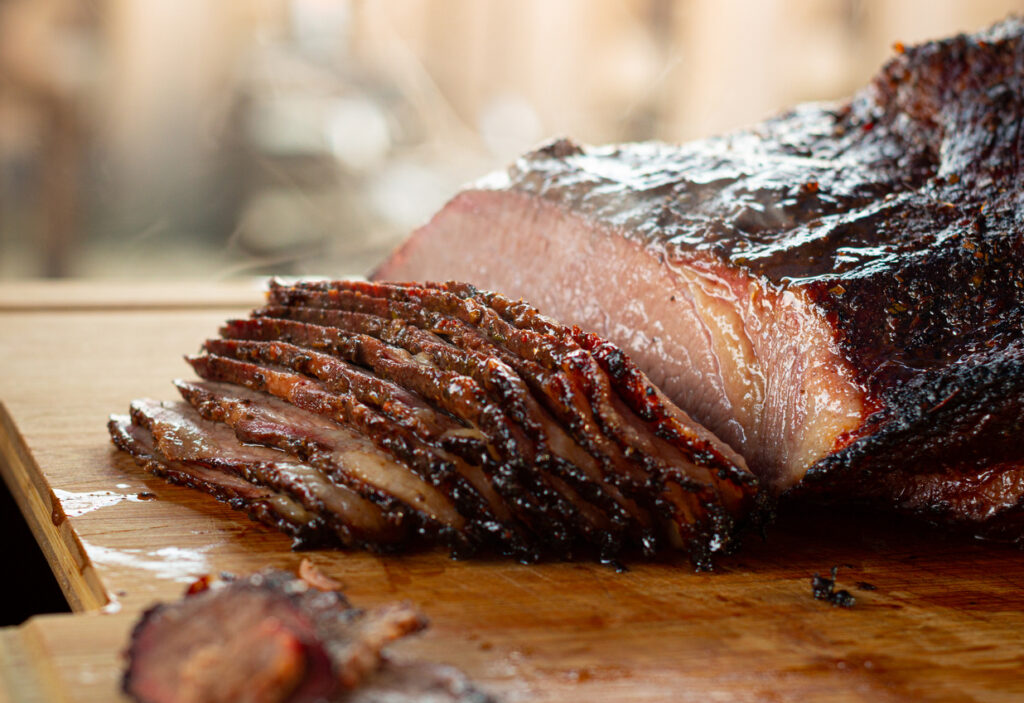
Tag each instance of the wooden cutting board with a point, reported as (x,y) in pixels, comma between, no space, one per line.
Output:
(944,621)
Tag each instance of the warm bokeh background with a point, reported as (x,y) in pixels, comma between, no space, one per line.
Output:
(211,139)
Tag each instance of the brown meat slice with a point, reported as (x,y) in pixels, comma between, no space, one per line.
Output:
(416,488)
(837,292)
(182,435)
(501,383)
(267,638)
(338,374)
(357,459)
(264,504)
(324,368)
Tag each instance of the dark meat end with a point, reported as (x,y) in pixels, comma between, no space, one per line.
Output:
(265,639)
(837,292)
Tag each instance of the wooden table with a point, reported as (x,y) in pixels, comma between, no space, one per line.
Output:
(945,623)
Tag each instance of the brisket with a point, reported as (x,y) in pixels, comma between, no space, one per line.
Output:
(837,292)
(547,392)
(183,436)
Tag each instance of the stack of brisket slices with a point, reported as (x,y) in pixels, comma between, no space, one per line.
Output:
(387,416)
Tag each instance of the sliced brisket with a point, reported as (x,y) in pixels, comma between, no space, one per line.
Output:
(396,415)
(837,292)
(692,483)
(182,435)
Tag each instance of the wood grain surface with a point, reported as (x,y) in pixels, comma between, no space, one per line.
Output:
(944,623)
(73,294)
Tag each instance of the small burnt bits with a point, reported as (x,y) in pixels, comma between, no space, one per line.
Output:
(824,589)
(391,416)
(274,638)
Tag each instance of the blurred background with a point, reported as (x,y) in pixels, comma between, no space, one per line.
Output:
(199,139)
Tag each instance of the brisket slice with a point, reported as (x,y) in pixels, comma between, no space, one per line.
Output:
(261,419)
(837,292)
(320,327)
(275,638)
(463,398)
(264,504)
(184,436)
(386,462)
(448,391)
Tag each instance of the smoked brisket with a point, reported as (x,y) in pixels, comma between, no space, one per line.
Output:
(837,292)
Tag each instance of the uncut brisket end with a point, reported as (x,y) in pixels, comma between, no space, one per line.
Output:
(275,638)
(837,292)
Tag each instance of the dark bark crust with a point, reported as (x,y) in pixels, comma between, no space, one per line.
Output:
(899,213)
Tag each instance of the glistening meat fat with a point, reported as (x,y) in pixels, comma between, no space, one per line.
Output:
(837,292)
(393,415)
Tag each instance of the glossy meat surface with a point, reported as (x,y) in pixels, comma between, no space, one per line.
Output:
(838,292)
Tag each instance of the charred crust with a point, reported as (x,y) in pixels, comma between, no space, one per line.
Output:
(824,589)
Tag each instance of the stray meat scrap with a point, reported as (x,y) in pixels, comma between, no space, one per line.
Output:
(274,638)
